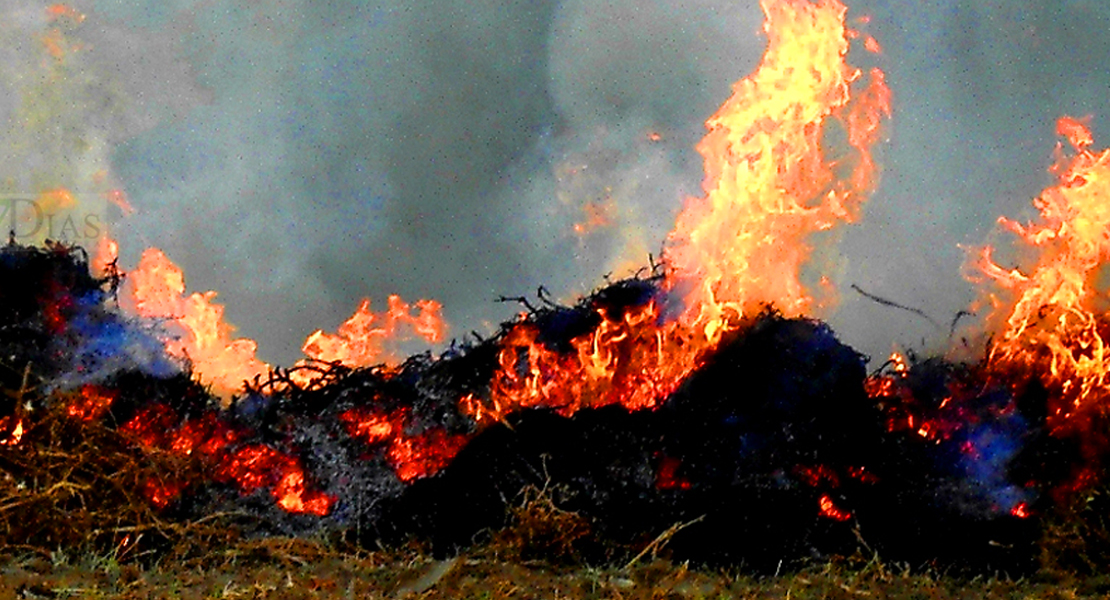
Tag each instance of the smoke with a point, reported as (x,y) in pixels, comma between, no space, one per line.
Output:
(444,150)
(297,156)
(978,89)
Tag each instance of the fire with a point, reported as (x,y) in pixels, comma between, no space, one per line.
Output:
(370,427)
(627,359)
(255,467)
(769,185)
(250,467)
(104,256)
(119,198)
(1051,317)
(92,402)
(424,455)
(412,456)
(13,437)
(667,477)
(156,289)
(363,340)
(162,493)
(830,510)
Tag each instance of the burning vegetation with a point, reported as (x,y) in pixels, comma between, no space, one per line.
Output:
(700,392)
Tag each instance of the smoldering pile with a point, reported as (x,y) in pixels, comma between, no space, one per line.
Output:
(781,447)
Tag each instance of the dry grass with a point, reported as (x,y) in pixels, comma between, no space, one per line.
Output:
(79,488)
(297,572)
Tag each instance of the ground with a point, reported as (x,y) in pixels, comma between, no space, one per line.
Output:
(281,570)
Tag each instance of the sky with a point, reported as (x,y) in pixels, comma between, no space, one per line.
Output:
(298,155)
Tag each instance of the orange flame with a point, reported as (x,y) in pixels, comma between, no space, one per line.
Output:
(1053,315)
(156,289)
(105,254)
(361,341)
(424,455)
(251,467)
(768,183)
(15,435)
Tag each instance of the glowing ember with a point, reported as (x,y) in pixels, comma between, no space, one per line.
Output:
(151,425)
(411,457)
(425,454)
(814,476)
(251,467)
(667,478)
(92,402)
(829,509)
(162,493)
(119,198)
(370,427)
(256,467)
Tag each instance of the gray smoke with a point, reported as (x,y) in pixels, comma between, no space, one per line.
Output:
(298,155)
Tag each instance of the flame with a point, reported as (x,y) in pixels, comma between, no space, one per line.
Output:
(119,198)
(370,427)
(55,200)
(1051,317)
(156,289)
(104,256)
(15,435)
(769,185)
(363,340)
